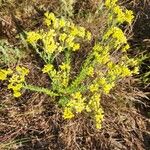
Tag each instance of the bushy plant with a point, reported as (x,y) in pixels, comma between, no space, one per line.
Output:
(105,64)
(8,54)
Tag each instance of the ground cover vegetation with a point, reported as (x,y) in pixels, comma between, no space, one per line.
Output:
(69,77)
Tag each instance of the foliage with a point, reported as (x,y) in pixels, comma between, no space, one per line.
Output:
(8,53)
(67,6)
(59,41)
(145,69)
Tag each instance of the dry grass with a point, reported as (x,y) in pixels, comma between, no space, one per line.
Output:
(34,121)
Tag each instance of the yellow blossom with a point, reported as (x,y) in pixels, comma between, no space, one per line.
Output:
(94,87)
(107,87)
(62,22)
(50,16)
(16,94)
(4,73)
(33,37)
(88,35)
(98,48)
(125,71)
(77,95)
(110,3)
(22,70)
(99,118)
(70,41)
(62,37)
(90,71)
(120,14)
(136,70)
(64,66)
(129,16)
(81,32)
(47,68)
(76,46)
(68,113)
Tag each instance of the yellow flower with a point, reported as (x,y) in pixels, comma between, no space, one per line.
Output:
(47,68)
(77,102)
(50,35)
(56,24)
(62,37)
(50,16)
(69,41)
(125,71)
(99,118)
(120,14)
(136,70)
(117,34)
(77,95)
(22,70)
(64,66)
(62,22)
(15,86)
(110,65)
(97,48)
(129,16)
(60,49)
(79,106)
(74,31)
(107,87)
(125,48)
(110,3)
(88,35)
(76,46)
(16,94)
(81,32)
(68,113)
(94,103)
(33,37)
(94,87)
(90,71)
(3,76)
(102,81)
(4,73)
(16,81)
(50,48)
(17,78)
(65,82)
(47,22)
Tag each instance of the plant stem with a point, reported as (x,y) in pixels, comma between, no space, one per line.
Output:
(40,89)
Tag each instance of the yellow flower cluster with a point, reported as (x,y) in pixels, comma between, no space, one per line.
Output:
(17,80)
(110,3)
(47,68)
(90,71)
(60,77)
(120,15)
(33,37)
(76,104)
(61,34)
(64,66)
(4,73)
(94,107)
(64,74)
(118,36)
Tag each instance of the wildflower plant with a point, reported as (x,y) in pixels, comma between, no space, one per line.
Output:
(97,75)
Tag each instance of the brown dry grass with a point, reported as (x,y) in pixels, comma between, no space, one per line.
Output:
(34,122)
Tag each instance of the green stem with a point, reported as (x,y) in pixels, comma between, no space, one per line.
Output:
(40,89)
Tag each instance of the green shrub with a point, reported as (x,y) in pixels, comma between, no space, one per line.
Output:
(8,53)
